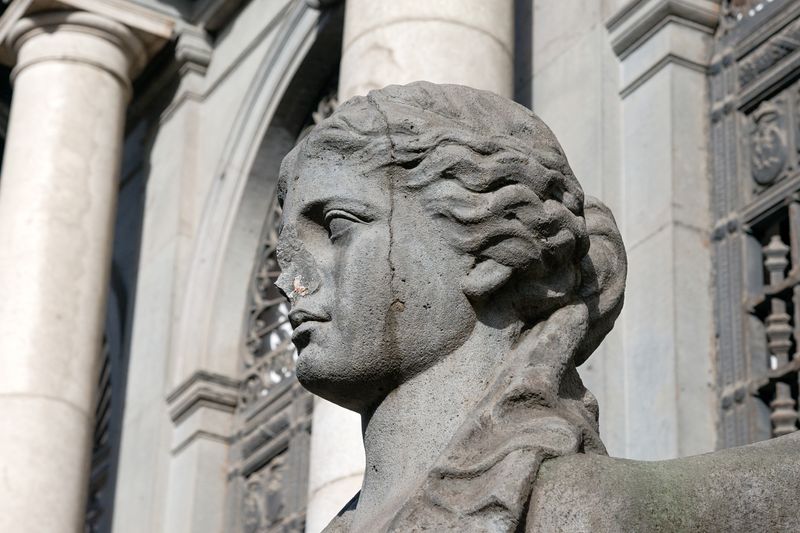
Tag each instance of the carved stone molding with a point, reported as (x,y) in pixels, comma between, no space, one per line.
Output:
(202,389)
(193,50)
(124,67)
(202,407)
(641,18)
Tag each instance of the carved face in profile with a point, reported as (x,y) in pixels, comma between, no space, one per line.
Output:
(376,299)
(408,215)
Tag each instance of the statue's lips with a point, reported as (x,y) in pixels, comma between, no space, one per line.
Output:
(304,322)
(305,329)
(301,336)
(299,316)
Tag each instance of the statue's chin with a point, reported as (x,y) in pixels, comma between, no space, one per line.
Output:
(341,380)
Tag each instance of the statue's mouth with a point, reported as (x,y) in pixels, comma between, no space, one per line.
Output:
(301,335)
(304,322)
(299,316)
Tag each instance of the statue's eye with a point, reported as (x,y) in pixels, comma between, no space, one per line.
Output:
(338,222)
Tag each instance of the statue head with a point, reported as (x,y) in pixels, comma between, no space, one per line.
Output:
(414,213)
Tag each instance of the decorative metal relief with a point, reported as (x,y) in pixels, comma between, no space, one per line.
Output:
(267,317)
(263,503)
(769,54)
(737,10)
(768,144)
(782,384)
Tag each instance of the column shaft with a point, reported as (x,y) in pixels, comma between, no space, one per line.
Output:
(57,203)
(469,42)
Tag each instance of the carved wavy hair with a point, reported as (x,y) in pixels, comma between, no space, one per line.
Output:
(489,166)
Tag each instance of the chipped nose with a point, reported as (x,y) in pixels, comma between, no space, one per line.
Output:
(298,288)
(300,276)
(284,284)
(294,289)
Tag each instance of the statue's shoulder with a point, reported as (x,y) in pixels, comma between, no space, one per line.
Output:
(750,488)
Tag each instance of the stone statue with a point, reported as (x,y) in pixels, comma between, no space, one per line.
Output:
(447,276)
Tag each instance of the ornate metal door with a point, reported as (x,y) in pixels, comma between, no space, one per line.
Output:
(755,131)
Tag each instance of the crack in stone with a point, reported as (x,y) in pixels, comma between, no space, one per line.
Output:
(392,159)
(391,319)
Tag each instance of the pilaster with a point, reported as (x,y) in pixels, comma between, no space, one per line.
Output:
(201,410)
(665,47)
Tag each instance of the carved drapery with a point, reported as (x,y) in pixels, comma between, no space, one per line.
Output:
(755,130)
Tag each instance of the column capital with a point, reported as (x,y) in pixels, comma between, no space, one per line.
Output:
(136,32)
(54,24)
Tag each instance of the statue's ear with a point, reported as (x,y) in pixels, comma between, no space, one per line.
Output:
(603,272)
(485,278)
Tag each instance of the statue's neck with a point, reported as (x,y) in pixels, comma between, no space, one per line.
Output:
(408,431)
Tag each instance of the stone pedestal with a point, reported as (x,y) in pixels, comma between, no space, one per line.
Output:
(57,202)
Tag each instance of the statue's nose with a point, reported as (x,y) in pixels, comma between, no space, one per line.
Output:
(300,274)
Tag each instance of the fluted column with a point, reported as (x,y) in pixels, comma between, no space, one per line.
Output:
(468,42)
(58,193)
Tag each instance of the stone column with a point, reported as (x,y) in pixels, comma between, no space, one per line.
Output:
(664,47)
(57,202)
(468,42)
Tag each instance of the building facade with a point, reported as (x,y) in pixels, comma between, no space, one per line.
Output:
(145,357)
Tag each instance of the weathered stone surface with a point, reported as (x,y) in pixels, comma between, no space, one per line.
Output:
(457,339)
(750,488)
